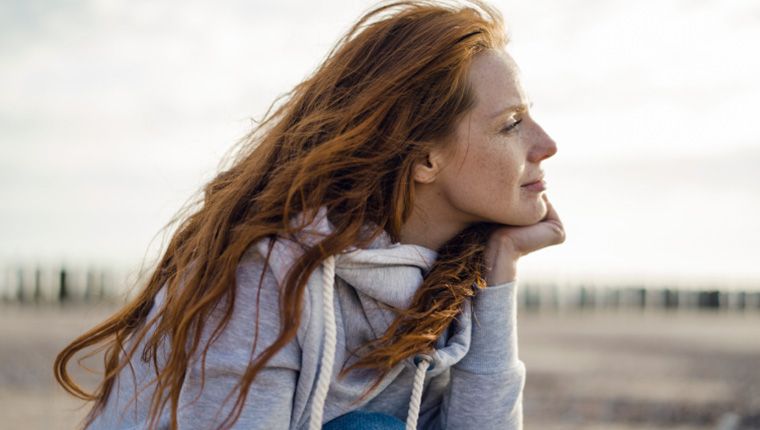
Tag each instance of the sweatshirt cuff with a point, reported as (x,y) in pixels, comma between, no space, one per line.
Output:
(493,343)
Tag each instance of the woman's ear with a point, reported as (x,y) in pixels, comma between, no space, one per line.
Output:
(426,170)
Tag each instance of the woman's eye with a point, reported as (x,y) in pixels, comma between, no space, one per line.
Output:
(511,127)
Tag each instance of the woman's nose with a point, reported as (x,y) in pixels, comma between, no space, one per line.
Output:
(543,146)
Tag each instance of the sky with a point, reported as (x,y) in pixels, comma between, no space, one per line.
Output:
(113,113)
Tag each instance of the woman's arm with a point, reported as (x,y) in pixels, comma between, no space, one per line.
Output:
(485,391)
(486,385)
(270,397)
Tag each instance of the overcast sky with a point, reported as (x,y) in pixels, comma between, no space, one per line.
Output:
(112,113)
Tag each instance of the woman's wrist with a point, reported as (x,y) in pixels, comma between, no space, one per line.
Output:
(501,257)
(503,273)
(504,269)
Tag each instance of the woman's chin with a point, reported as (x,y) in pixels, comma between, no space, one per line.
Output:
(532,214)
(528,213)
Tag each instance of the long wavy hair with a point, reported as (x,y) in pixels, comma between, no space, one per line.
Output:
(347,138)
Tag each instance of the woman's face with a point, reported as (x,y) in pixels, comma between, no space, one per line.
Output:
(496,149)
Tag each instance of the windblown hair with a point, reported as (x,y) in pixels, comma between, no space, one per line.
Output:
(347,138)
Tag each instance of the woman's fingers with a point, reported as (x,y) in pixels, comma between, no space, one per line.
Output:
(552,218)
(547,232)
(526,239)
(508,243)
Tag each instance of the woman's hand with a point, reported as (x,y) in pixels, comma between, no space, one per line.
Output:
(507,244)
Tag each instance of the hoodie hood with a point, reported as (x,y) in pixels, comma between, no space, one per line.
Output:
(386,271)
(390,273)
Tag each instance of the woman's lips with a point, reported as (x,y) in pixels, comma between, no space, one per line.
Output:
(539,185)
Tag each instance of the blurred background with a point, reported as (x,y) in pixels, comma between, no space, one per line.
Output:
(113,113)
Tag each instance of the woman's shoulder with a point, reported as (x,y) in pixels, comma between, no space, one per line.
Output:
(279,254)
(260,280)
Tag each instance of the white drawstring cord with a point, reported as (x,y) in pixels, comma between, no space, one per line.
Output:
(414,402)
(328,358)
(328,355)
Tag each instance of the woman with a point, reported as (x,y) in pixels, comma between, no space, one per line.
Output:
(355,266)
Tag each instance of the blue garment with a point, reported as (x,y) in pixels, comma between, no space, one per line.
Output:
(363,420)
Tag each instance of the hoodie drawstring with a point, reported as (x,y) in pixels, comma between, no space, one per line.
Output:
(414,402)
(328,356)
(328,359)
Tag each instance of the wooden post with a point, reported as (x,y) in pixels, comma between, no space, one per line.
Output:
(709,300)
(63,288)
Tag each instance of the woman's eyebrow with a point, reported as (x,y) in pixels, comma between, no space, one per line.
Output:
(521,108)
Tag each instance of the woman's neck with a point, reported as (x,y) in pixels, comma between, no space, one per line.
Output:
(430,225)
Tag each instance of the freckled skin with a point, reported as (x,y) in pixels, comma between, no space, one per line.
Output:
(476,173)
(484,168)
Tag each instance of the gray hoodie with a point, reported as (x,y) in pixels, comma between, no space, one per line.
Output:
(473,379)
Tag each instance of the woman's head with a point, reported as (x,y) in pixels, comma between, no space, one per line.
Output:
(392,90)
(352,138)
(495,149)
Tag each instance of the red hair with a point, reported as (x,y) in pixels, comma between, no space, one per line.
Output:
(346,138)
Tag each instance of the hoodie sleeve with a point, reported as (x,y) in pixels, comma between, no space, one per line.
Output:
(485,391)
(205,404)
